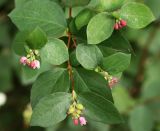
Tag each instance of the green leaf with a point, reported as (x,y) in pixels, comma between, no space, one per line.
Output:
(45,14)
(141,119)
(37,38)
(19,43)
(137,15)
(154,6)
(28,75)
(73,59)
(92,81)
(109,5)
(55,80)
(106,51)
(20,3)
(116,43)
(89,56)
(72,3)
(116,63)
(51,110)
(55,52)
(105,24)
(83,18)
(72,27)
(99,109)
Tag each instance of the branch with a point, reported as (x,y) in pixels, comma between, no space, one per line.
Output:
(69,65)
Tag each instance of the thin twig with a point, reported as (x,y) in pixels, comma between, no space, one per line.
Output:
(69,65)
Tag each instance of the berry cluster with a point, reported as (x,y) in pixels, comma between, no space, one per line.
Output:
(76,110)
(120,24)
(31,60)
(112,81)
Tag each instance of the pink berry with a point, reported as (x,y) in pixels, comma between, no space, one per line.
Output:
(37,63)
(123,23)
(76,122)
(82,121)
(33,65)
(116,27)
(113,82)
(23,60)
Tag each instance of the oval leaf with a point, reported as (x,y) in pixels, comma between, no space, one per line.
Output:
(115,43)
(55,52)
(72,3)
(37,38)
(51,109)
(137,15)
(89,56)
(116,63)
(19,43)
(57,81)
(109,5)
(83,18)
(105,24)
(45,14)
(99,109)
(92,81)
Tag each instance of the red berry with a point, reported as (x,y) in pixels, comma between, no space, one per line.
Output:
(116,27)
(119,25)
(33,65)
(123,23)
(76,122)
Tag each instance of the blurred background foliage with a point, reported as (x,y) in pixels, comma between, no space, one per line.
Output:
(137,96)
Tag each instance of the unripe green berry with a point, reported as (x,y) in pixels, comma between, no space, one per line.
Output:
(79,106)
(71,110)
(28,56)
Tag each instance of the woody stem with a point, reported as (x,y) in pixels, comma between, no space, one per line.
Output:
(69,65)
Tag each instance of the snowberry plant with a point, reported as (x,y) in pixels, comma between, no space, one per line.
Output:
(83,42)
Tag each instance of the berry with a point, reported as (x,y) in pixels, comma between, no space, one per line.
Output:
(76,122)
(116,26)
(123,23)
(35,64)
(82,121)
(112,82)
(80,106)
(71,109)
(119,25)
(23,60)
